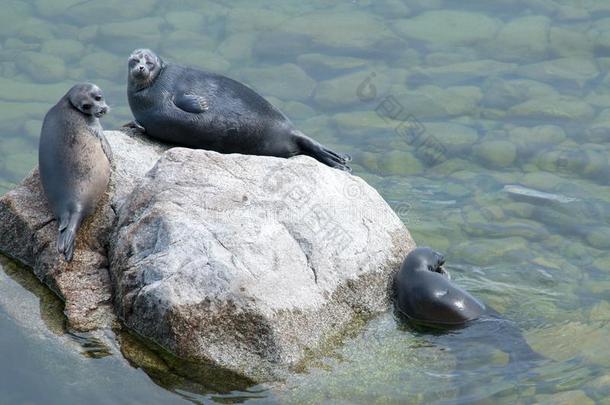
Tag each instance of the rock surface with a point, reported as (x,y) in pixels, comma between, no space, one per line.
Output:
(244,262)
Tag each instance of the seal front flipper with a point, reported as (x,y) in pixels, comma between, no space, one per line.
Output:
(191,103)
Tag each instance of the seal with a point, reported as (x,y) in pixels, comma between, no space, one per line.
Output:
(196,109)
(74,160)
(425,295)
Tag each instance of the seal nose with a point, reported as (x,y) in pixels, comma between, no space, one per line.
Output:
(141,68)
(104,109)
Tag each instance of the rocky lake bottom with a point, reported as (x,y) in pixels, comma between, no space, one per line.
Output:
(485,125)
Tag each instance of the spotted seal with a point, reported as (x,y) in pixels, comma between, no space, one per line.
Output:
(196,109)
(74,160)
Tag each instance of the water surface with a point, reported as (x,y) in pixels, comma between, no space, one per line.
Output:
(486,125)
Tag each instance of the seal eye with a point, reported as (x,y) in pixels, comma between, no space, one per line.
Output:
(98,98)
(149,64)
(86,106)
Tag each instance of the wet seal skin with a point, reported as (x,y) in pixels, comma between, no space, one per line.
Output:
(426,294)
(196,109)
(425,298)
(74,160)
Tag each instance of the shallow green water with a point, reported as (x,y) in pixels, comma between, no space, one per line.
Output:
(442,104)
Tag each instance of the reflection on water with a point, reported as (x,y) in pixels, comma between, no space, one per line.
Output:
(32,315)
(486,125)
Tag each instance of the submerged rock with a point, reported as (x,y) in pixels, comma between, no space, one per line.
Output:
(244,262)
(457,73)
(320,65)
(523,39)
(527,194)
(41,67)
(67,49)
(340,33)
(266,80)
(123,37)
(561,108)
(502,93)
(496,154)
(448,27)
(574,72)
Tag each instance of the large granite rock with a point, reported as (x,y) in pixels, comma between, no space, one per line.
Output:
(244,262)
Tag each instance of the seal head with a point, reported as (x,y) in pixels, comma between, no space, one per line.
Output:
(144,67)
(88,99)
(425,294)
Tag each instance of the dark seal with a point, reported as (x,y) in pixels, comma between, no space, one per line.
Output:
(74,160)
(202,110)
(425,293)
(427,298)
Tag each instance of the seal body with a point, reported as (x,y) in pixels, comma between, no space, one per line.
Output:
(74,160)
(197,109)
(425,294)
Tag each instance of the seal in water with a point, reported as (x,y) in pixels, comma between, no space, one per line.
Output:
(74,160)
(426,296)
(202,110)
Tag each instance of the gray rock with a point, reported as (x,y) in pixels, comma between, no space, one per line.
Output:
(123,37)
(574,72)
(501,93)
(351,89)
(81,12)
(563,108)
(42,67)
(294,84)
(449,28)
(457,73)
(251,261)
(523,39)
(14,13)
(185,20)
(102,64)
(67,49)
(430,101)
(237,47)
(570,43)
(320,65)
(244,262)
(338,33)
(197,58)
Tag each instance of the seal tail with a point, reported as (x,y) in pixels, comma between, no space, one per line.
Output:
(309,147)
(68,226)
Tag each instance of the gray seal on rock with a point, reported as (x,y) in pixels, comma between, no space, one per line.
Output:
(196,109)
(74,160)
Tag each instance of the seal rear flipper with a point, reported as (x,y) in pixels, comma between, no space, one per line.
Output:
(67,235)
(312,148)
(191,103)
